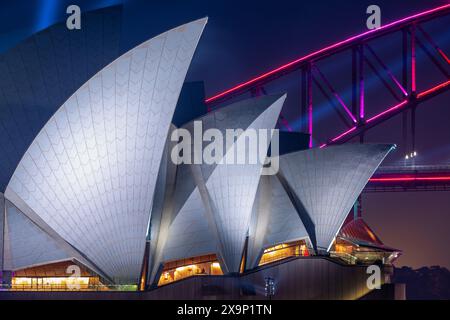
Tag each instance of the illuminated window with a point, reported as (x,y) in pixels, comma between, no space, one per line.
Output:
(216,269)
(177,270)
(283,251)
(352,253)
(54,277)
(54,283)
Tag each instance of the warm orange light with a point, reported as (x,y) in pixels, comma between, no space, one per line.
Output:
(274,248)
(181,272)
(284,250)
(183,268)
(343,248)
(50,283)
(370,233)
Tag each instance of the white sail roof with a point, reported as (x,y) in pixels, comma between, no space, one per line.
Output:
(215,217)
(325,184)
(26,244)
(90,173)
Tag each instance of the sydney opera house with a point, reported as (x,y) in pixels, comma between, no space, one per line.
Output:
(88,187)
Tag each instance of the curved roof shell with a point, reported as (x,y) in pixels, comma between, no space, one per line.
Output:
(41,73)
(323,184)
(91,171)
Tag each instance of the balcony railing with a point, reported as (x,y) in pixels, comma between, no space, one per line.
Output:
(51,288)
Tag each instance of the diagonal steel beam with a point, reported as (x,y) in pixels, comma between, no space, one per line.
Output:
(389,113)
(335,94)
(374,69)
(430,40)
(387,70)
(332,103)
(432,58)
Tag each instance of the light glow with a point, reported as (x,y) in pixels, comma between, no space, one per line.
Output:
(52,283)
(397,106)
(431,90)
(196,269)
(343,134)
(283,251)
(413,59)
(442,53)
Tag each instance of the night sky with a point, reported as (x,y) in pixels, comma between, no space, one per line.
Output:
(245,38)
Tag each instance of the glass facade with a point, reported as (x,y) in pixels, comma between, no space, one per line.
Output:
(283,251)
(56,277)
(56,284)
(352,253)
(181,269)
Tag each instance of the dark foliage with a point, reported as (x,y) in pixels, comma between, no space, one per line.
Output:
(426,283)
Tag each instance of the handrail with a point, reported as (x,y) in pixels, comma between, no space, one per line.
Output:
(80,287)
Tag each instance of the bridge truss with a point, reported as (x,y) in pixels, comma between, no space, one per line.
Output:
(353,115)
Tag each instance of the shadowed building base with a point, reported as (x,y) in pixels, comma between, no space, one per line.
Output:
(318,278)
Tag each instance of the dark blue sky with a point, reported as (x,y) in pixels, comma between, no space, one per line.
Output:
(245,38)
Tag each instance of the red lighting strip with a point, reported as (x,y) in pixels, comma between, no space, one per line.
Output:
(406,179)
(333,46)
(431,90)
(401,104)
(369,120)
(444,56)
(343,134)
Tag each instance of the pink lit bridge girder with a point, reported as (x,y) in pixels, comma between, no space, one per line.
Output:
(354,116)
(412,178)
